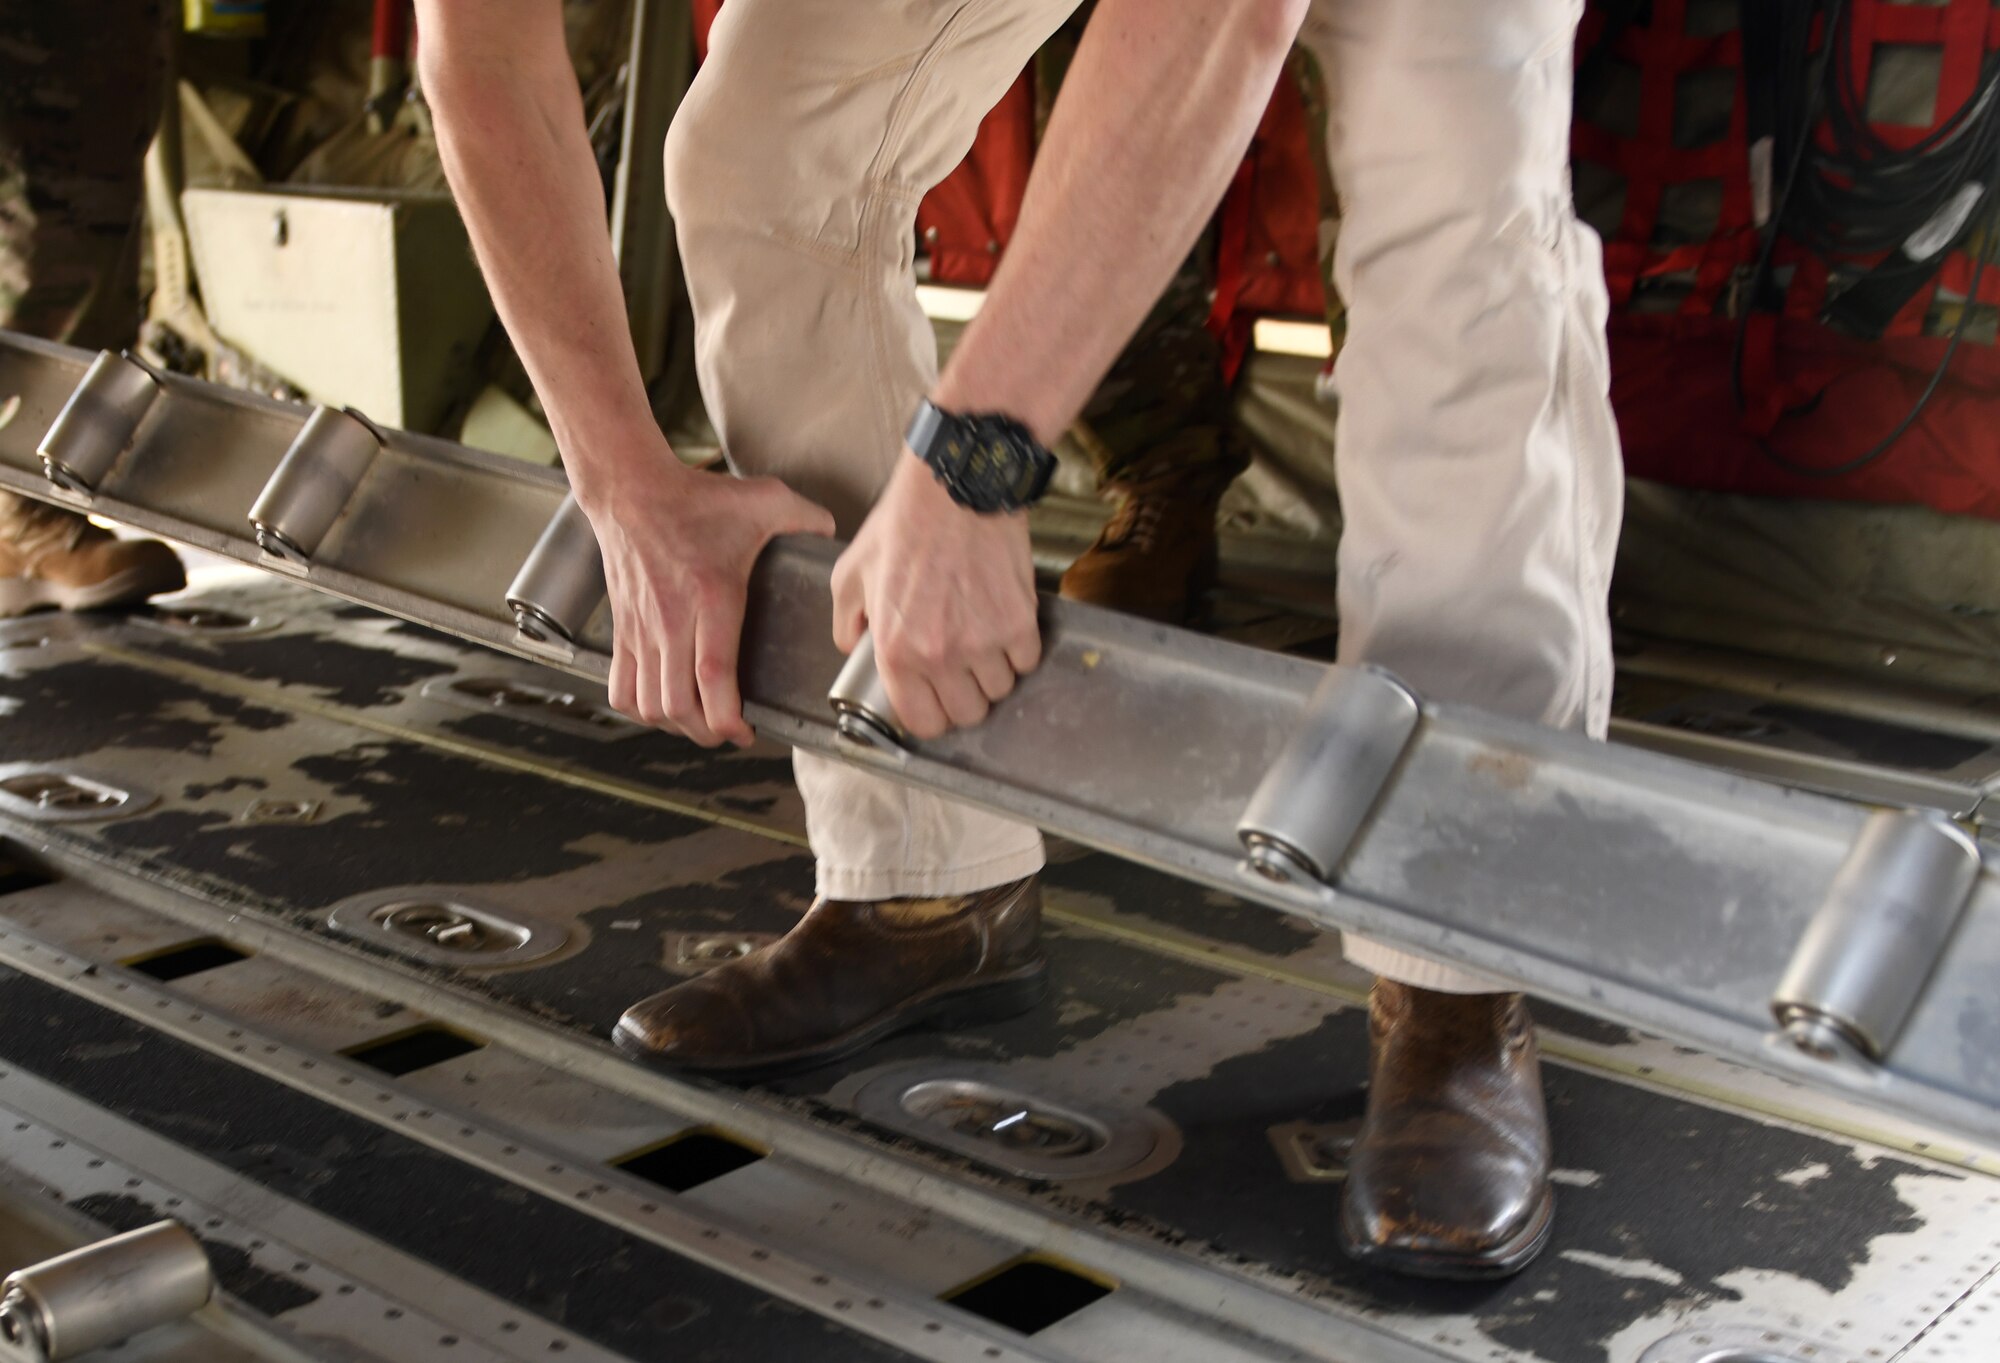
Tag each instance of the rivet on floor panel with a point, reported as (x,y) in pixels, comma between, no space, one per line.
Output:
(48,796)
(691,953)
(444,927)
(1739,1344)
(281,811)
(1314,1152)
(977,1111)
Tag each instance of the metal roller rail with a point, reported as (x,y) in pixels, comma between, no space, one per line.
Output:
(1851,949)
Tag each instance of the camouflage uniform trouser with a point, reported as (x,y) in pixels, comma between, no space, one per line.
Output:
(80,91)
(1164,408)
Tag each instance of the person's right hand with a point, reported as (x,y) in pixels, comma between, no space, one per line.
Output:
(678,548)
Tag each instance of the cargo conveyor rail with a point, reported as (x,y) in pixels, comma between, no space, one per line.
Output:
(1850,948)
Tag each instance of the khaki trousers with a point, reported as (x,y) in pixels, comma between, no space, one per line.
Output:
(1478,466)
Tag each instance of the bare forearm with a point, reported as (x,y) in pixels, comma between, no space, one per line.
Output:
(511,130)
(1155,114)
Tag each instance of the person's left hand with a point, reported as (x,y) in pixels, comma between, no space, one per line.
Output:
(949,596)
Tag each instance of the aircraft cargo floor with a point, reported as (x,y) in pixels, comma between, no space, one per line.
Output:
(334,914)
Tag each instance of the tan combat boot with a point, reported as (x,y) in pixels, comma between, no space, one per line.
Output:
(1157,554)
(50,557)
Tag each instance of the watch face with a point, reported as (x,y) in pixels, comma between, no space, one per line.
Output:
(998,464)
(986,462)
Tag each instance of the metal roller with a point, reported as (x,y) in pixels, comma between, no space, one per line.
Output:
(313,482)
(1862,964)
(1311,804)
(103,1293)
(98,422)
(561,582)
(861,703)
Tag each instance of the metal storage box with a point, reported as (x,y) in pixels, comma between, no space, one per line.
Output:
(363,299)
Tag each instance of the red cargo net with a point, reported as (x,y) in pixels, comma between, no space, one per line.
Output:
(1813,395)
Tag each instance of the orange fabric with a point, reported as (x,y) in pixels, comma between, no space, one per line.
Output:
(1280,248)
(1267,242)
(704,19)
(967,220)
(1272,265)
(1268,246)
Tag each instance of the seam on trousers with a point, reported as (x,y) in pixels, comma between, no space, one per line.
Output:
(853,260)
(902,61)
(877,303)
(905,101)
(838,256)
(876,197)
(1583,574)
(879,193)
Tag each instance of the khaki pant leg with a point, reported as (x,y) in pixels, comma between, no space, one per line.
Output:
(1478,465)
(793,171)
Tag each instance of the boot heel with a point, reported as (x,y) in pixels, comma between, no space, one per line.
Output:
(989,1003)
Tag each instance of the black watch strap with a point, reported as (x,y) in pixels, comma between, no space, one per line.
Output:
(925,428)
(987,462)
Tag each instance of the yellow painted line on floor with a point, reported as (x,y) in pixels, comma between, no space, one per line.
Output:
(1058,908)
(1572,1051)
(284,699)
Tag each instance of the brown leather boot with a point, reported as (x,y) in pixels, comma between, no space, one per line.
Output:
(52,557)
(1157,553)
(1449,1176)
(848,975)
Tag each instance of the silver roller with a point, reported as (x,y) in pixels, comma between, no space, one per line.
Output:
(1306,812)
(861,707)
(98,422)
(103,1293)
(1862,964)
(561,582)
(313,482)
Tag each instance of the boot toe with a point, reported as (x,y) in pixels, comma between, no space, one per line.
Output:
(1447,1227)
(690,1024)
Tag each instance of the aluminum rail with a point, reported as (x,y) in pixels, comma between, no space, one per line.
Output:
(1854,950)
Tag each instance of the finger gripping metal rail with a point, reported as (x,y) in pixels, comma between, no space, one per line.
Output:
(1853,949)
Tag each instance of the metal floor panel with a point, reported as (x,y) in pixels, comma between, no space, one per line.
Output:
(534,1245)
(362,670)
(1693,1194)
(299,1284)
(33,1229)
(852,1255)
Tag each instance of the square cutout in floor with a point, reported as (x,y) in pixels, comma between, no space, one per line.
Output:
(14,877)
(189,958)
(690,1159)
(417,1049)
(1030,1294)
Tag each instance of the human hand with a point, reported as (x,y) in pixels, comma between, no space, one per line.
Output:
(678,547)
(949,597)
